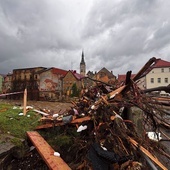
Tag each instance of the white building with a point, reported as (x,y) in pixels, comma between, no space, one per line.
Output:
(157,75)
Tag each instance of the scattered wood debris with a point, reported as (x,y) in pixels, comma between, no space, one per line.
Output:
(108,137)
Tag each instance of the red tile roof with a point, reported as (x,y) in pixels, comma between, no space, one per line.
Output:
(158,64)
(161,63)
(54,70)
(59,71)
(77,75)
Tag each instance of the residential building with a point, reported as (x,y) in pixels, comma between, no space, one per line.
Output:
(26,78)
(105,76)
(50,83)
(157,75)
(71,77)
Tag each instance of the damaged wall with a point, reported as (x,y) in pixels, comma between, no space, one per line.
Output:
(50,85)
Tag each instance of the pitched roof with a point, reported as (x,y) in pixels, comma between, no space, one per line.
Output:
(77,75)
(59,71)
(158,64)
(54,71)
(109,74)
(161,63)
(90,74)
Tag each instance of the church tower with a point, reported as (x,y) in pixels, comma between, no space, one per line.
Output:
(82,65)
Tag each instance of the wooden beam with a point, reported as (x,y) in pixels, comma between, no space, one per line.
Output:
(46,152)
(144,68)
(52,124)
(25,102)
(43,113)
(147,153)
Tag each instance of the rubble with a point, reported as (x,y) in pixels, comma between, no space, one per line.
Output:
(108,138)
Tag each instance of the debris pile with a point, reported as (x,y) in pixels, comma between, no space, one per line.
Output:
(117,128)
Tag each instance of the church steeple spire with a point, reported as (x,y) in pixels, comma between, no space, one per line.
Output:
(82,65)
(82,58)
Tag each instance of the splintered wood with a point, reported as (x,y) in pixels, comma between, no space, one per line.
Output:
(147,153)
(113,124)
(47,153)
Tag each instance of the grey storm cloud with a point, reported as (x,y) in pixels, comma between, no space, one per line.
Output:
(122,30)
(120,35)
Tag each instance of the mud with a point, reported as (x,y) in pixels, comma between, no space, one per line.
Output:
(52,106)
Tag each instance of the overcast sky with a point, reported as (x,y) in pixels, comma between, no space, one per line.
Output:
(120,35)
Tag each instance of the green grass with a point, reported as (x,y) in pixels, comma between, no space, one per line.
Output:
(14,124)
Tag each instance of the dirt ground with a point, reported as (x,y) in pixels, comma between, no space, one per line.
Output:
(32,160)
(52,106)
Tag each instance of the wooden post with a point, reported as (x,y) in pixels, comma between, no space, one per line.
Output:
(25,101)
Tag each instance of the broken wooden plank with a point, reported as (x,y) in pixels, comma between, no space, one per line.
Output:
(48,125)
(80,120)
(162,99)
(110,95)
(46,152)
(147,153)
(115,92)
(38,111)
(144,68)
(75,121)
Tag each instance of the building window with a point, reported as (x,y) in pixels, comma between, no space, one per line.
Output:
(162,70)
(152,71)
(152,80)
(166,80)
(159,80)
